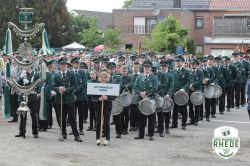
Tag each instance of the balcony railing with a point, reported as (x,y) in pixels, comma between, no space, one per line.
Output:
(231,27)
(134,29)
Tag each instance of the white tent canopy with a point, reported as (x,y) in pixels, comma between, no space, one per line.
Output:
(74,46)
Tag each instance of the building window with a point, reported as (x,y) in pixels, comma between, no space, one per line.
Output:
(128,46)
(150,24)
(199,21)
(139,25)
(199,49)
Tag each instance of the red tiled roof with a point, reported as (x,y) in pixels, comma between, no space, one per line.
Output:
(230,4)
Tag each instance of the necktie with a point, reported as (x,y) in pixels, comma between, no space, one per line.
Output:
(76,73)
(64,75)
(146,76)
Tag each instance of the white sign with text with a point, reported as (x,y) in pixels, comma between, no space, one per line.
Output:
(103,89)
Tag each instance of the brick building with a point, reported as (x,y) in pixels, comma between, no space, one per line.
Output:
(217,26)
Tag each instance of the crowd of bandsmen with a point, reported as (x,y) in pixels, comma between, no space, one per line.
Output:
(145,75)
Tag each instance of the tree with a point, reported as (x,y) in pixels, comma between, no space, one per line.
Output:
(167,35)
(127,4)
(111,38)
(80,23)
(91,37)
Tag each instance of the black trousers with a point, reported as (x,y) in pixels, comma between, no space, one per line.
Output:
(85,110)
(201,112)
(243,94)
(118,123)
(68,109)
(79,108)
(208,107)
(213,106)
(34,118)
(249,113)
(163,117)
(107,106)
(143,123)
(230,97)
(236,94)
(52,104)
(92,119)
(125,118)
(194,112)
(134,115)
(183,111)
(43,124)
(222,100)
(14,106)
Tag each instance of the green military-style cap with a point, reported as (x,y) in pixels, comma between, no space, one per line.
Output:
(49,62)
(111,65)
(62,61)
(147,63)
(75,60)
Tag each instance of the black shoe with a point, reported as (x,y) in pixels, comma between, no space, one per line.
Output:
(85,121)
(221,113)
(207,119)
(67,124)
(237,107)
(118,135)
(173,127)
(19,135)
(213,116)
(151,138)
(78,139)
(71,133)
(42,130)
(81,132)
(131,129)
(12,121)
(161,134)
(228,110)
(147,135)
(125,132)
(35,136)
(184,128)
(243,105)
(49,127)
(201,119)
(195,123)
(139,137)
(64,136)
(190,123)
(94,129)
(90,129)
(135,128)
(112,123)
(167,131)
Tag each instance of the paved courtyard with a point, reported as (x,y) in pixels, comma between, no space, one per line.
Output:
(180,148)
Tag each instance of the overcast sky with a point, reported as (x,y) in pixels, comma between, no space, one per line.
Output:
(95,5)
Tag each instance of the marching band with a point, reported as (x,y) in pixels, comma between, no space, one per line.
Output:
(155,91)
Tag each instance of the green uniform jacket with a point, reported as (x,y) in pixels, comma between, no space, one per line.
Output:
(209,73)
(197,77)
(238,66)
(230,75)
(149,85)
(245,71)
(126,84)
(219,76)
(70,85)
(166,84)
(81,86)
(181,79)
(115,79)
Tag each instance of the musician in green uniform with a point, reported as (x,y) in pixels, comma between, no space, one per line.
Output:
(230,76)
(181,81)
(145,87)
(195,85)
(64,86)
(165,89)
(239,79)
(115,79)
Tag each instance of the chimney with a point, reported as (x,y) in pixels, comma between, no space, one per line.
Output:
(177,4)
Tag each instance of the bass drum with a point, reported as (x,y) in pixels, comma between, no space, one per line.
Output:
(209,92)
(197,98)
(126,99)
(168,105)
(147,106)
(159,101)
(181,98)
(117,107)
(217,91)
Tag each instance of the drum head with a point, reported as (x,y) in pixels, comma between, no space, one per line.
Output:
(217,91)
(125,99)
(159,101)
(168,105)
(181,98)
(209,92)
(197,98)
(116,107)
(147,106)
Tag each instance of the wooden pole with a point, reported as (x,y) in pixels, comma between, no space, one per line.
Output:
(101,123)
